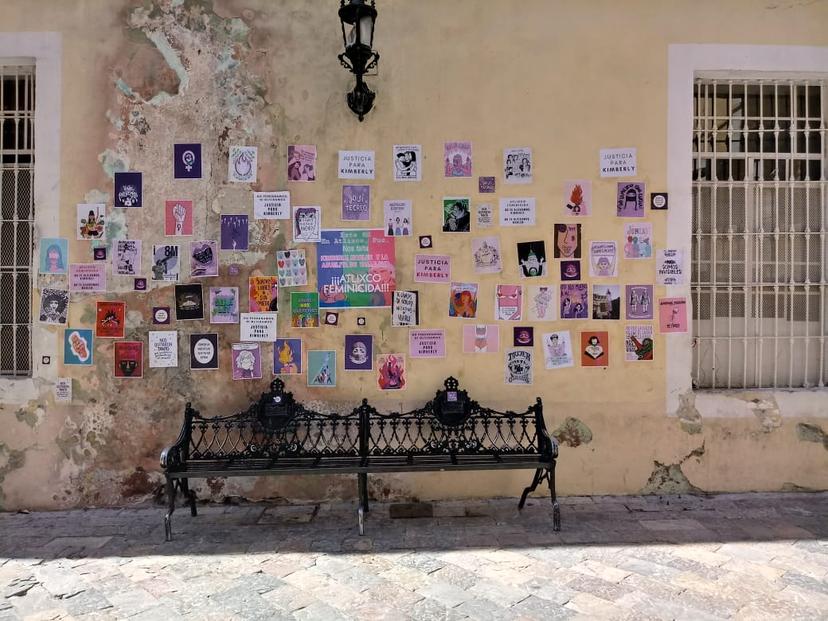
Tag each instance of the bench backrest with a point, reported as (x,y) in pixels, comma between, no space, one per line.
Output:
(275,426)
(454,424)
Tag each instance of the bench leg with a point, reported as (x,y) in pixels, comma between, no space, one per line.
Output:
(362,481)
(363,490)
(170,508)
(556,509)
(189,495)
(531,488)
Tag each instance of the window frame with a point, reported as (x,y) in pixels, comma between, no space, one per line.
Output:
(45,49)
(685,62)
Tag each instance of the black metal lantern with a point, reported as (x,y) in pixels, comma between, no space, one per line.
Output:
(358,18)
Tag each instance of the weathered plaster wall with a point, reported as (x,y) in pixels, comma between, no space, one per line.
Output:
(566,78)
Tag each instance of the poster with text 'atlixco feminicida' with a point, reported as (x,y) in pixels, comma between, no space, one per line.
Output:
(356,268)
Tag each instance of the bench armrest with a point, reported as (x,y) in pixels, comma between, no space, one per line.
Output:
(176,454)
(548,441)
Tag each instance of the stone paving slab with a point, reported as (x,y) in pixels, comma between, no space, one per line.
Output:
(733,556)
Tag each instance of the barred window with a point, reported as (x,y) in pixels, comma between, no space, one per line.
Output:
(759,246)
(17,209)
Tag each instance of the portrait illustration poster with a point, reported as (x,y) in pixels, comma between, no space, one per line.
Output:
(246,360)
(359,352)
(595,349)
(54,253)
(129,359)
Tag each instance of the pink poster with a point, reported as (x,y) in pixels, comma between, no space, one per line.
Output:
(427,343)
(432,268)
(481,339)
(87,276)
(179,218)
(672,315)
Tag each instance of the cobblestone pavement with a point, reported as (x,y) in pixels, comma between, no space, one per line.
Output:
(751,556)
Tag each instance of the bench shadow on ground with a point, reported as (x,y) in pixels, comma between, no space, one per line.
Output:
(249,528)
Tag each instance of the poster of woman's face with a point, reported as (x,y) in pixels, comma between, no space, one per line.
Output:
(307,224)
(567,241)
(53,253)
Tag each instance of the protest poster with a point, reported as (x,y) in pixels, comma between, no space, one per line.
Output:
(246,361)
(532,259)
(178,218)
(78,346)
(356,164)
(463,300)
(408,161)
(577,198)
(224,305)
(621,162)
(458,159)
(204,352)
(322,368)
(485,215)
(603,259)
(398,218)
(359,352)
(606,301)
(126,260)
(557,350)
(481,339)
(54,306)
(263,294)
(517,212)
(301,162)
(405,308)
(163,349)
(570,270)
(456,214)
(234,232)
(670,267)
(292,268)
(307,223)
(672,315)
(567,241)
(629,201)
(287,357)
(355,268)
(427,343)
(595,349)
(304,309)
(187,161)
(110,319)
(166,262)
(541,302)
(391,372)
(91,221)
(271,205)
(486,255)
(639,300)
(356,202)
(87,277)
(518,367)
(242,164)
(517,165)
(189,302)
(54,253)
(257,327)
(486,185)
(523,336)
(128,189)
(203,258)
(129,359)
(509,302)
(638,342)
(63,390)
(574,301)
(638,240)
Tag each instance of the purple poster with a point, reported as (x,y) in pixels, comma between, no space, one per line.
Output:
(187,161)
(128,189)
(427,343)
(630,200)
(458,159)
(234,232)
(203,258)
(356,202)
(359,352)
(639,300)
(574,301)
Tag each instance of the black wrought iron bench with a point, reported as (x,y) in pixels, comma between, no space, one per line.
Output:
(276,435)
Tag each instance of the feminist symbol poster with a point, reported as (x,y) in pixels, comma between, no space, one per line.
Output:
(356,268)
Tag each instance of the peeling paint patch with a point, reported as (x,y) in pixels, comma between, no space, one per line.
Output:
(689,417)
(10,460)
(767,411)
(670,478)
(31,416)
(812,433)
(573,432)
(138,483)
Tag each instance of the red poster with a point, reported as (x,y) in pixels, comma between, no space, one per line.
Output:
(109,322)
(129,359)
(594,349)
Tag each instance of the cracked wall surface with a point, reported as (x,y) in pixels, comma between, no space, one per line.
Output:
(139,75)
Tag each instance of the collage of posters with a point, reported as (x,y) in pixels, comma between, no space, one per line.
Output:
(355,268)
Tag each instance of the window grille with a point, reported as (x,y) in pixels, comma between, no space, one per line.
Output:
(759,233)
(17,210)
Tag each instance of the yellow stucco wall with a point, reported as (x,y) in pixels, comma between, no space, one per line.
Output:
(565,78)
